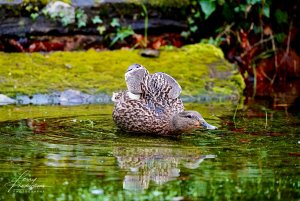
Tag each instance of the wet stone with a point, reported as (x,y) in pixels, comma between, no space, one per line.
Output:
(67,97)
(75,97)
(40,99)
(149,53)
(4,100)
(10,2)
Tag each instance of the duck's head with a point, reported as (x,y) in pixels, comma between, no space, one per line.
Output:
(188,121)
(134,77)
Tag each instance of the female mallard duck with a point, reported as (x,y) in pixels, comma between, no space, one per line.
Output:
(152,105)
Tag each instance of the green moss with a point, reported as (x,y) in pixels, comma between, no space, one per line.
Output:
(91,71)
(43,2)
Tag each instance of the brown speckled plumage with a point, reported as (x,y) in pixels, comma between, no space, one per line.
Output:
(158,108)
(144,116)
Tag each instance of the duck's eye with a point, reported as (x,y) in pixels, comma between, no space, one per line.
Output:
(189,116)
(138,66)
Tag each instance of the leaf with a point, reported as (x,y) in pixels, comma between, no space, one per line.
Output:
(65,21)
(34,16)
(257,29)
(190,20)
(28,8)
(79,13)
(208,7)
(122,34)
(81,18)
(185,34)
(237,9)
(281,16)
(253,2)
(280,37)
(266,11)
(97,20)
(228,13)
(115,22)
(197,14)
(221,2)
(101,29)
(194,28)
(81,23)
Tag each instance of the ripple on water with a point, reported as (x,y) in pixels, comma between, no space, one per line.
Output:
(87,153)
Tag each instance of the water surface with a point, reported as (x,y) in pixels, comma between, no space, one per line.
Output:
(77,153)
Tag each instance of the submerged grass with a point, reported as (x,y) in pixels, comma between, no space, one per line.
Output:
(194,66)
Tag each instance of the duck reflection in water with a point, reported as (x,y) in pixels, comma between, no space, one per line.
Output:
(159,165)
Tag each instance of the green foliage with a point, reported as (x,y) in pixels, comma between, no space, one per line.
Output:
(280,37)
(250,32)
(31,8)
(281,17)
(115,22)
(81,18)
(34,16)
(66,17)
(185,34)
(266,11)
(97,20)
(101,29)
(212,41)
(121,32)
(100,26)
(146,22)
(231,11)
(208,7)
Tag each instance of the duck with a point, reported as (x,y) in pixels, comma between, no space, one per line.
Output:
(151,104)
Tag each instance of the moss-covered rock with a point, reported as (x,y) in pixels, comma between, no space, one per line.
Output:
(200,69)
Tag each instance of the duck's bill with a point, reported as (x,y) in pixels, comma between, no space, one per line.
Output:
(206,125)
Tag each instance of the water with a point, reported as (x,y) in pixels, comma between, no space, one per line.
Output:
(77,153)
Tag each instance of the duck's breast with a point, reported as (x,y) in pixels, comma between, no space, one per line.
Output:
(133,116)
(145,115)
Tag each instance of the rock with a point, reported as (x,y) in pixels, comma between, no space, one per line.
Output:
(15,26)
(40,99)
(149,53)
(71,97)
(129,13)
(101,98)
(23,100)
(10,2)
(5,100)
(61,10)
(43,25)
(67,97)
(83,3)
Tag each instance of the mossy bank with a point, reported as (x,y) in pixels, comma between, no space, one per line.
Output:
(200,69)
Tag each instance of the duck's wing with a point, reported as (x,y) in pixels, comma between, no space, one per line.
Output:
(163,85)
(134,78)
